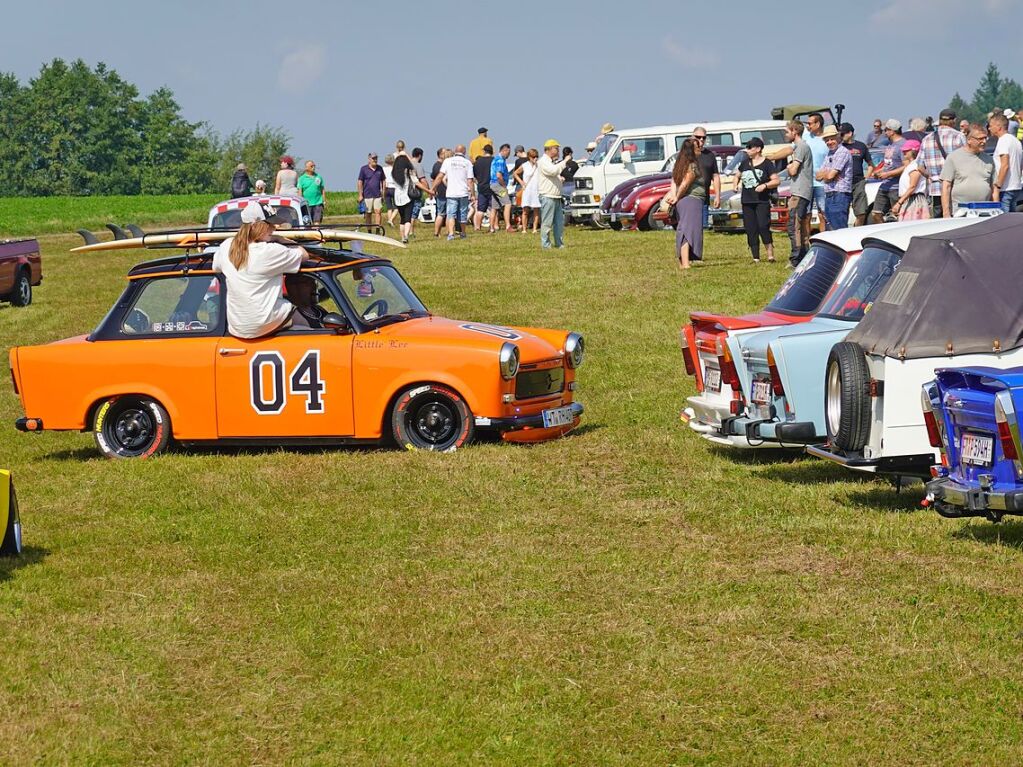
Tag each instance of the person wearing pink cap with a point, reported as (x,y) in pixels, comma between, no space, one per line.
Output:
(914,202)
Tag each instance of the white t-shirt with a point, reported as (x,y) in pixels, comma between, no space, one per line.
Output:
(255,294)
(921,182)
(1009,145)
(457,171)
(388,178)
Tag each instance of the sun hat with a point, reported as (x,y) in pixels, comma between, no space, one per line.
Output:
(606,128)
(1009,113)
(829,131)
(550,142)
(591,146)
(254,212)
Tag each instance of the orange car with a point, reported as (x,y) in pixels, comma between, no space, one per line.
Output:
(162,366)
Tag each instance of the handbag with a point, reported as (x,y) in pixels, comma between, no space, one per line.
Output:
(415,194)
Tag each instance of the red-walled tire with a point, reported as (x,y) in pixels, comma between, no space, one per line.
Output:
(431,417)
(131,427)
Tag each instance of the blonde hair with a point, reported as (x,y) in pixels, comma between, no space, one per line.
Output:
(247,234)
(532,154)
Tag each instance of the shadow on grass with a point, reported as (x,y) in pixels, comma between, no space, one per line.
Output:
(884,496)
(1003,534)
(77,454)
(754,457)
(30,555)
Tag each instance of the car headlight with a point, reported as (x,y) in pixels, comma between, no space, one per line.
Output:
(574,349)
(584,183)
(509,359)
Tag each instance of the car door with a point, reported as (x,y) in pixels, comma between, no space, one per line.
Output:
(297,383)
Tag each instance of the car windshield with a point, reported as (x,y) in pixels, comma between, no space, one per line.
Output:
(603,147)
(232,219)
(810,282)
(379,294)
(857,289)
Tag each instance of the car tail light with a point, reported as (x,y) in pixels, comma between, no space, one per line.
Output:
(776,384)
(729,375)
(687,353)
(934,432)
(1008,429)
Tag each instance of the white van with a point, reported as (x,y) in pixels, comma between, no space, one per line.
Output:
(627,154)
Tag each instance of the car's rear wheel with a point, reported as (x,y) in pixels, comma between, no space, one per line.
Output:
(616,225)
(131,427)
(11,545)
(653,224)
(431,417)
(847,397)
(22,293)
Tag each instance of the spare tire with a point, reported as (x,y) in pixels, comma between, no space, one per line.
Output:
(847,397)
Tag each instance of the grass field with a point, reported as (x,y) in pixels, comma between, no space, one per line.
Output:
(627,595)
(28,216)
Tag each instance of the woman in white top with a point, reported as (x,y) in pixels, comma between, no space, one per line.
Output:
(253,263)
(286,184)
(389,185)
(914,202)
(528,180)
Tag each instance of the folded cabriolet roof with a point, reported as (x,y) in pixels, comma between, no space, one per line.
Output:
(201,237)
(956,292)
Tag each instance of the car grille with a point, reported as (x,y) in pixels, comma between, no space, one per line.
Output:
(539,383)
(581,199)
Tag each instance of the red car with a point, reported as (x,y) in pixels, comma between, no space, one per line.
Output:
(634,204)
(21,267)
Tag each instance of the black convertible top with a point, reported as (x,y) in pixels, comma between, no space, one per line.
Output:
(957,292)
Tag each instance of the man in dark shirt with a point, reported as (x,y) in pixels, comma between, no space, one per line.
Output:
(708,162)
(481,172)
(860,155)
(440,197)
(370,186)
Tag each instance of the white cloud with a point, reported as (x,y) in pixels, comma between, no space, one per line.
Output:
(689,56)
(300,68)
(929,16)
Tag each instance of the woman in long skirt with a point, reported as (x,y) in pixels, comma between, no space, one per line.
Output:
(687,194)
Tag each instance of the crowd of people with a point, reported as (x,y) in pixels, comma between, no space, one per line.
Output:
(928,171)
(480,185)
(288,183)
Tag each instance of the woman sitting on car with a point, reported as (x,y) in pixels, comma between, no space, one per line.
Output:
(253,263)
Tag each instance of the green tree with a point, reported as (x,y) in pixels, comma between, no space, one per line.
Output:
(260,149)
(992,91)
(985,98)
(177,156)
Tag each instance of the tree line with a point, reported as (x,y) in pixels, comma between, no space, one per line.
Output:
(73,130)
(994,91)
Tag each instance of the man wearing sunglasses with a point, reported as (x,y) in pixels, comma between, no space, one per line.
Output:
(968,173)
(877,139)
(709,167)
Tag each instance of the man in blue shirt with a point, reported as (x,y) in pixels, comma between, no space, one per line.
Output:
(819,151)
(499,188)
(889,172)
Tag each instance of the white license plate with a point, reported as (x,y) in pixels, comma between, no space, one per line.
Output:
(614,215)
(762,392)
(713,379)
(559,416)
(977,449)
(774,215)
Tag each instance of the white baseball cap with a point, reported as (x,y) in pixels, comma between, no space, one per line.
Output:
(256,211)
(1009,113)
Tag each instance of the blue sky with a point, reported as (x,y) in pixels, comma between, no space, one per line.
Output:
(345,78)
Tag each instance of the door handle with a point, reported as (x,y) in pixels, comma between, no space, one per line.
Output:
(232,352)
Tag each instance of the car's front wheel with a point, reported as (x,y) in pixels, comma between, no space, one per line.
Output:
(847,397)
(22,293)
(131,427)
(654,224)
(431,417)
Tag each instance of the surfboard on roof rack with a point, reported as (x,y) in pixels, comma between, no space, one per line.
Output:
(197,238)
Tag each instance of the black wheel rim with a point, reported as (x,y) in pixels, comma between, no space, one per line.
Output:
(133,429)
(435,422)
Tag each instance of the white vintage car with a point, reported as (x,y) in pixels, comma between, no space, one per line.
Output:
(953,302)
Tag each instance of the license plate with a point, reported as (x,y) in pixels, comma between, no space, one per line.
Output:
(977,450)
(713,376)
(559,416)
(762,392)
(614,215)
(774,215)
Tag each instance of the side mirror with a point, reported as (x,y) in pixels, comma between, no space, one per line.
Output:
(335,321)
(626,157)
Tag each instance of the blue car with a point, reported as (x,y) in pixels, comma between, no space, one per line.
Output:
(782,374)
(971,417)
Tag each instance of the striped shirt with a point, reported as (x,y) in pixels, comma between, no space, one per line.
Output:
(930,160)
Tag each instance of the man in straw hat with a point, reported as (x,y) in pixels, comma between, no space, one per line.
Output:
(552,210)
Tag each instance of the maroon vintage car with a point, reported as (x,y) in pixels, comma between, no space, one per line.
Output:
(633,203)
(21,267)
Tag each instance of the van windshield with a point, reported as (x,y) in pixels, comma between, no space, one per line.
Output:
(603,147)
